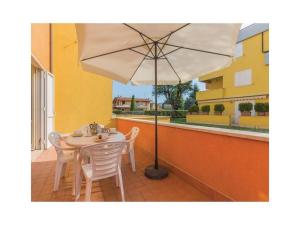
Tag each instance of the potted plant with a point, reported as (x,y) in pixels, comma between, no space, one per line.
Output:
(219,109)
(245,108)
(205,109)
(260,109)
(194,109)
(267,108)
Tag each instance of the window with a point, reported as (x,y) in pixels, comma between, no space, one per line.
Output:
(238,50)
(267,58)
(243,78)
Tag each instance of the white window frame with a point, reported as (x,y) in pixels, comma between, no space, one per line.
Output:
(42,115)
(243,78)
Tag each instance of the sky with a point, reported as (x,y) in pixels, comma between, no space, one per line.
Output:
(145,91)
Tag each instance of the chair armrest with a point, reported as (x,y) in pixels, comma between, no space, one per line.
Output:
(127,135)
(66,147)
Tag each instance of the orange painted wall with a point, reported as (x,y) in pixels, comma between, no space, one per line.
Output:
(235,167)
(40,43)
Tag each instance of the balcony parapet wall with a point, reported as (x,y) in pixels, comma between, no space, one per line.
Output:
(227,165)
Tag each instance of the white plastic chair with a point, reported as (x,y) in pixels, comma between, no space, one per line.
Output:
(64,154)
(105,161)
(130,140)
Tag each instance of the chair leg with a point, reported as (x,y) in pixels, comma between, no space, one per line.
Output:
(132,159)
(121,184)
(78,187)
(64,167)
(57,177)
(88,190)
(117,181)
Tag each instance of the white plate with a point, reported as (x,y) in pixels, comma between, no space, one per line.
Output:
(77,135)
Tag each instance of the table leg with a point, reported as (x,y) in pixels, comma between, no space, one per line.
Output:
(74,173)
(76,167)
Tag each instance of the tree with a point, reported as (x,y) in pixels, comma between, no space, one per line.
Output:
(174,93)
(132,104)
(191,100)
(195,90)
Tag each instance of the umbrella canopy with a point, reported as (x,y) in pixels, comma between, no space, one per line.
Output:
(159,54)
(124,52)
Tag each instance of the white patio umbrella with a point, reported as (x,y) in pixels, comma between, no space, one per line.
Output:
(156,54)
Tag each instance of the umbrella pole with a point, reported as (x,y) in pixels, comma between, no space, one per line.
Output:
(155,86)
(155,171)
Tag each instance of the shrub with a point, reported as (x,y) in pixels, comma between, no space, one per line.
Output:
(117,111)
(245,107)
(260,107)
(178,113)
(172,113)
(132,104)
(205,108)
(219,108)
(267,106)
(194,108)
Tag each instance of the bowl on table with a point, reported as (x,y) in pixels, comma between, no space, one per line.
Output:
(77,133)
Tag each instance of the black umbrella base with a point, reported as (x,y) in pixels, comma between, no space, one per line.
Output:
(156,174)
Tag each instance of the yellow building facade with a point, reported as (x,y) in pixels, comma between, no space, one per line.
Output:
(245,80)
(80,97)
(70,96)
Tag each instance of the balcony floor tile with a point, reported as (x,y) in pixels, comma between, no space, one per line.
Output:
(137,186)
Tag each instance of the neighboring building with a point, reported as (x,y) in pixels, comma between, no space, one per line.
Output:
(159,106)
(245,80)
(123,103)
(167,106)
(64,97)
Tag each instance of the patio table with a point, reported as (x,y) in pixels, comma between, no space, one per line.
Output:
(84,140)
(79,142)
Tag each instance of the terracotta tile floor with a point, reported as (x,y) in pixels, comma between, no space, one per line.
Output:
(137,186)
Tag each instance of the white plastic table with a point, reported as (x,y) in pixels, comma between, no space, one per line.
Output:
(84,141)
(79,142)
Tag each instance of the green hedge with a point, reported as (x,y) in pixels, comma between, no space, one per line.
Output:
(171,113)
(245,107)
(219,108)
(205,108)
(267,106)
(260,107)
(117,111)
(120,112)
(194,108)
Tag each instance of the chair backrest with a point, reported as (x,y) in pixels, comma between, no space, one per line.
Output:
(134,132)
(55,139)
(131,136)
(105,158)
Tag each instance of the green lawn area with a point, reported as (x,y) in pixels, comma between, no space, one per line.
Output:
(183,121)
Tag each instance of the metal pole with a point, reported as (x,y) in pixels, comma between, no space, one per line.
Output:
(155,69)
(155,171)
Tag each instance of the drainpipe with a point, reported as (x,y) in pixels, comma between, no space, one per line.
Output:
(50,48)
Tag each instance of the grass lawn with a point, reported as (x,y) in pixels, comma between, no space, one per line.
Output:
(183,121)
